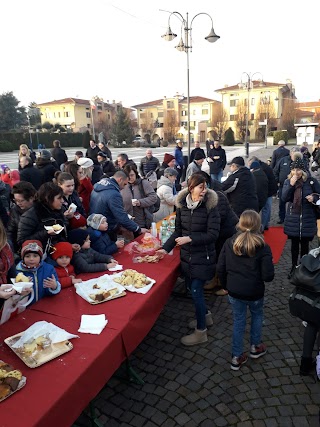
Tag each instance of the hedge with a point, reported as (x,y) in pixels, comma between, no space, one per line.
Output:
(66,139)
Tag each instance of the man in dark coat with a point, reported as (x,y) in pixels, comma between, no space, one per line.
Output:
(196,149)
(93,151)
(218,160)
(30,173)
(261,183)
(279,153)
(240,187)
(58,153)
(149,163)
(46,166)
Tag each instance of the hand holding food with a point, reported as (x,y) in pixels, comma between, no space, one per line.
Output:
(22,278)
(6,291)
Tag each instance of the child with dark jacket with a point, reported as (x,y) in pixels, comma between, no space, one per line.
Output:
(62,255)
(100,240)
(244,264)
(87,260)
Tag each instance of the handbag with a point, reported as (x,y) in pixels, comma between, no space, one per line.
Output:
(205,167)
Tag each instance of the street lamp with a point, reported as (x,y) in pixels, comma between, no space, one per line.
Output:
(248,85)
(185,45)
(266,101)
(30,136)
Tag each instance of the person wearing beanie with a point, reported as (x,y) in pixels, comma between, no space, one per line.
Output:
(300,223)
(62,255)
(166,193)
(46,166)
(195,166)
(43,275)
(100,240)
(87,260)
(169,161)
(106,164)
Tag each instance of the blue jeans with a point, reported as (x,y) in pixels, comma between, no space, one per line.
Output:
(217,176)
(195,286)
(239,311)
(266,213)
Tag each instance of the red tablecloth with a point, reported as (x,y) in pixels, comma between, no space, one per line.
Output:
(57,392)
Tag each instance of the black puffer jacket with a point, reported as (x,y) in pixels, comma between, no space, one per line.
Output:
(272,184)
(303,223)
(244,276)
(47,168)
(241,190)
(228,220)
(261,186)
(202,226)
(32,174)
(32,222)
(59,155)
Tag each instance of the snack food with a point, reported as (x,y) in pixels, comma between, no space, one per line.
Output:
(57,227)
(21,278)
(5,390)
(103,294)
(96,286)
(147,258)
(38,344)
(9,379)
(132,277)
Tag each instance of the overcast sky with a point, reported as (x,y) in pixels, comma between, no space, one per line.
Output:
(113,48)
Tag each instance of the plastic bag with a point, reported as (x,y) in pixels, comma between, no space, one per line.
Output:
(149,244)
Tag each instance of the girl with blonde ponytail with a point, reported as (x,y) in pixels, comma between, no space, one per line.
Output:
(244,264)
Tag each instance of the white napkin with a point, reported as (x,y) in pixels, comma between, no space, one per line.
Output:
(118,267)
(92,324)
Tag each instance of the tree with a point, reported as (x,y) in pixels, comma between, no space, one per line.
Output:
(170,125)
(229,137)
(121,129)
(147,126)
(11,115)
(265,111)
(289,116)
(34,114)
(219,121)
(241,119)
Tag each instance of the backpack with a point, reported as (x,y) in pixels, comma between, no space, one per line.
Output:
(304,302)
(154,208)
(152,178)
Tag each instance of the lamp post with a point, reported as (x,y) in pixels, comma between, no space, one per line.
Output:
(266,101)
(30,136)
(185,45)
(248,85)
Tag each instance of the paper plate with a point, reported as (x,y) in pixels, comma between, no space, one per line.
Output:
(48,228)
(21,286)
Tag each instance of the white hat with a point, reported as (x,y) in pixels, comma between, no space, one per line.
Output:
(85,162)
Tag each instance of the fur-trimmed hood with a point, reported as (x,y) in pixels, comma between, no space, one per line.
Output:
(210,200)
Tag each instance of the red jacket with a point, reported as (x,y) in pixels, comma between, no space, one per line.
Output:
(84,190)
(64,275)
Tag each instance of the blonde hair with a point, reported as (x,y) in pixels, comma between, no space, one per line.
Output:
(26,147)
(249,237)
(304,175)
(87,172)
(3,236)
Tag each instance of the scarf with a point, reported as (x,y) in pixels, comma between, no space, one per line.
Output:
(191,204)
(297,197)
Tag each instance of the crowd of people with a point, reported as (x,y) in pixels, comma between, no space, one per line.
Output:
(62,217)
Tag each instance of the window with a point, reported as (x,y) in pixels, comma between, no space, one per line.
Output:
(252,116)
(184,124)
(253,101)
(202,136)
(88,125)
(88,115)
(54,115)
(194,112)
(233,117)
(108,116)
(66,114)
(233,102)
(59,114)
(184,112)
(142,115)
(151,115)
(205,111)
(160,114)
(169,104)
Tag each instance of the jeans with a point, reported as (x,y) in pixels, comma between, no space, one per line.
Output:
(266,213)
(195,286)
(239,311)
(282,205)
(217,176)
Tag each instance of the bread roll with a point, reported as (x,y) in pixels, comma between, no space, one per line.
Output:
(57,227)
(21,278)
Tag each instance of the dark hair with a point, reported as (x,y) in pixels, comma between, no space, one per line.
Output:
(63,176)
(56,143)
(194,180)
(47,192)
(123,156)
(128,168)
(26,189)
(72,168)
(78,153)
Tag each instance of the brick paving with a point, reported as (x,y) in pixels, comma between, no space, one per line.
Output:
(194,386)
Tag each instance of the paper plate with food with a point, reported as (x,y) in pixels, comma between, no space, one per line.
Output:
(99,290)
(40,343)
(11,380)
(21,283)
(134,281)
(57,228)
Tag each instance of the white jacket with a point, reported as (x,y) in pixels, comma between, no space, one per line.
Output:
(167,199)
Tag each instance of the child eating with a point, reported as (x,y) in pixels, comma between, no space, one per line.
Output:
(65,271)
(43,275)
(87,260)
(100,240)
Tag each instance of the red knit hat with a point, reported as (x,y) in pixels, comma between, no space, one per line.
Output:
(167,158)
(32,246)
(61,249)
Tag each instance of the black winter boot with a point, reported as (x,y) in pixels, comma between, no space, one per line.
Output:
(291,272)
(307,366)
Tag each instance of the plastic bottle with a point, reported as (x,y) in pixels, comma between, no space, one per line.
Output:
(154,229)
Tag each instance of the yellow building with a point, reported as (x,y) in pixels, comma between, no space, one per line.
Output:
(78,114)
(167,118)
(266,103)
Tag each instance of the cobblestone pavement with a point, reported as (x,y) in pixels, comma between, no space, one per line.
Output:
(194,386)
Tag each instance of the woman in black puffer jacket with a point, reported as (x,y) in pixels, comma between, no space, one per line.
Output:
(197,229)
(300,224)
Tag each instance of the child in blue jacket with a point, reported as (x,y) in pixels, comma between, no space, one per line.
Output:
(43,275)
(100,240)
